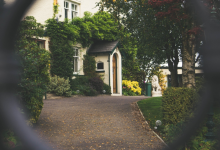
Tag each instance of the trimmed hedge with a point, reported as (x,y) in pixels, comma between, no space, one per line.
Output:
(177,104)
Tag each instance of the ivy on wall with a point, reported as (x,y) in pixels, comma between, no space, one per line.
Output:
(86,30)
(62,35)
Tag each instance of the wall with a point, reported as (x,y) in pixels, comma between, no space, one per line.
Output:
(166,72)
(104,58)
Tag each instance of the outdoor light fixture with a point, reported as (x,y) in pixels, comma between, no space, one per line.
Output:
(158,123)
(103,91)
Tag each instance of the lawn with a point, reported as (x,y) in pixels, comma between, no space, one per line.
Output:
(151,109)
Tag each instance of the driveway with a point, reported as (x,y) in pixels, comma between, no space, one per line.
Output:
(102,122)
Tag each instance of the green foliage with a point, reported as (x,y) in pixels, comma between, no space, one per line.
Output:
(62,37)
(10,140)
(89,86)
(35,64)
(151,109)
(100,26)
(59,86)
(89,66)
(200,81)
(81,83)
(78,81)
(107,88)
(177,104)
(55,10)
(96,83)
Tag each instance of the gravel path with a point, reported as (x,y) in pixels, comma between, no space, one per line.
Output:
(102,122)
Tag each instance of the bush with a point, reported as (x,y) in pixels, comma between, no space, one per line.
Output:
(107,88)
(177,104)
(35,64)
(59,86)
(79,81)
(130,88)
(89,66)
(96,83)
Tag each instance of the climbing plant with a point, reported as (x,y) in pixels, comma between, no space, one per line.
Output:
(63,36)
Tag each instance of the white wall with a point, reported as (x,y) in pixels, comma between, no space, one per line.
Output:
(104,59)
(88,5)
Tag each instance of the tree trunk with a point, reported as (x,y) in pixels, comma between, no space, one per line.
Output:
(174,78)
(188,60)
(173,60)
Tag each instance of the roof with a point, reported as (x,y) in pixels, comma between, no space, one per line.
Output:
(103,47)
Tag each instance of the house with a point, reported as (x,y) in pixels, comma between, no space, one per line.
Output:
(106,54)
(165,71)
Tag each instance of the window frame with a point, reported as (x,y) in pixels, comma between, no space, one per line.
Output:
(72,12)
(97,66)
(76,56)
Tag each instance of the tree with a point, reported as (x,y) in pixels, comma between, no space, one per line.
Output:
(154,37)
(35,65)
(165,28)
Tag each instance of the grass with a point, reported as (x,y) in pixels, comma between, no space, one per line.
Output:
(151,109)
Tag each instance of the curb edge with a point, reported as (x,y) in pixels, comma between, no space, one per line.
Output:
(151,129)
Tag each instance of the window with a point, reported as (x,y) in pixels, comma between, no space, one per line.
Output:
(74,11)
(100,66)
(41,44)
(75,60)
(66,9)
(70,10)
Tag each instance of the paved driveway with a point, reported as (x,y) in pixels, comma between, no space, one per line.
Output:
(102,122)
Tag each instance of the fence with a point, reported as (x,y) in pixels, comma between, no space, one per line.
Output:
(9,72)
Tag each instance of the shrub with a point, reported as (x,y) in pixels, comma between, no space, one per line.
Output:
(130,88)
(89,66)
(59,86)
(79,81)
(177,104)
(82,84)
(35,65)
(200,81)
(96,83)
(107,88)
(89,91)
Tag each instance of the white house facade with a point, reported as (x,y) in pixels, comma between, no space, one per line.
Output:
(107,54)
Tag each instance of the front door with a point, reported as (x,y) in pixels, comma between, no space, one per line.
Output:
(114,64)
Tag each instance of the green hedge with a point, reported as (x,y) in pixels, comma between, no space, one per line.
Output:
(177,104)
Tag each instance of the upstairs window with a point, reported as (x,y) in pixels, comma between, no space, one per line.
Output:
(70,10)
(75,60)
(66,9)
(74,11)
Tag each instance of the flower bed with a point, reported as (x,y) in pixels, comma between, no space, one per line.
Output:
(130,88)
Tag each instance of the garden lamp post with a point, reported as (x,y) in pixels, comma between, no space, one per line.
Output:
(211,30)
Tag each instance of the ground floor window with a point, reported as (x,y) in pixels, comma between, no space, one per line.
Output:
(75,60)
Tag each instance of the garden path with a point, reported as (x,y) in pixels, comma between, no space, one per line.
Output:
(101,122)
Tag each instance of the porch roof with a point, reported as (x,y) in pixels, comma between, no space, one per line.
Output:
(103,47)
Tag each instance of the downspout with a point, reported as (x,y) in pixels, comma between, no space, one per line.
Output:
(121,75)
(109,68)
